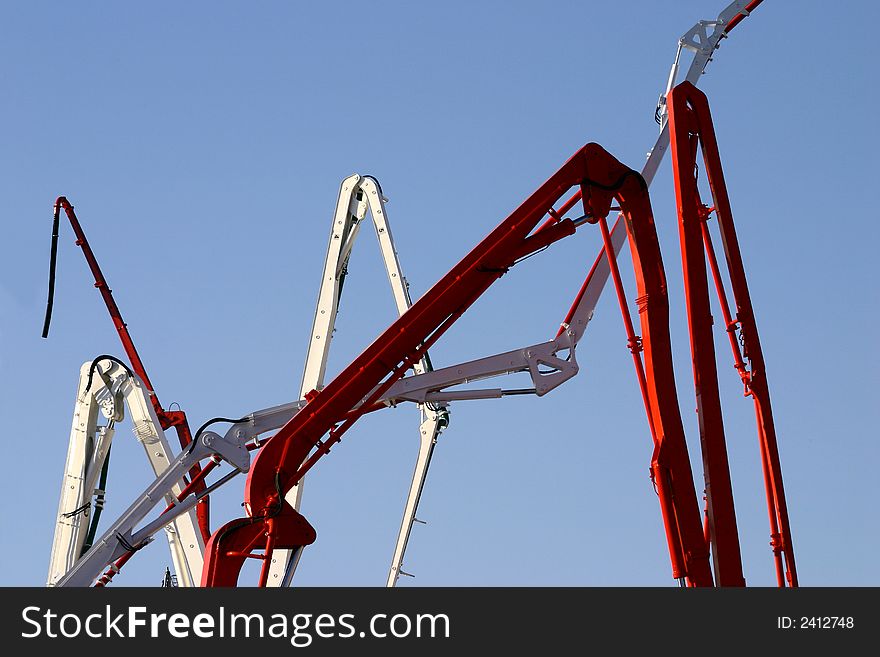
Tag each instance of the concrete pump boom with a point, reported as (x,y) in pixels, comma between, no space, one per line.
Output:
(274,532)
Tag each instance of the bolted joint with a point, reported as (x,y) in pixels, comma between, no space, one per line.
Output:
(704,211)
(635,344)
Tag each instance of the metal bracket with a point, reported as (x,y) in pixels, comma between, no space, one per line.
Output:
(702,44)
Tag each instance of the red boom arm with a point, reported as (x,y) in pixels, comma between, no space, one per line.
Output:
(285,458)
(691,128)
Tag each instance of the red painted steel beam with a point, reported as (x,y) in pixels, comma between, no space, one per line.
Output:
(723,533)
(601,178)
(231,544)
(691,127)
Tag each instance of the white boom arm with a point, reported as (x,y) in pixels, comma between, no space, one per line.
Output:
(358,195)
(109,390)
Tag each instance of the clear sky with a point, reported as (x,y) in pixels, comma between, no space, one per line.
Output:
(203,144)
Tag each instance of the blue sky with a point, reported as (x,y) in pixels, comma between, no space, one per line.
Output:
(203,144)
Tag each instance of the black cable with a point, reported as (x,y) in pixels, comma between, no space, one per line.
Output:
(617,184)
(95,365)
(53,258)
(209,423)
(128,546)
(80,509)
(278,508)
(219,419)
(99,505)
(375,180)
